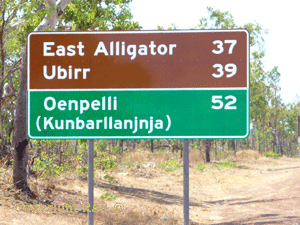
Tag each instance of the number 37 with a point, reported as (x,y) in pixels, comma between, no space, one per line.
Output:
(217,100)
(221,48)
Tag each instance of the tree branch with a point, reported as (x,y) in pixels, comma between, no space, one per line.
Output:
(13,13)
(52,20)
(7,96)
(1,45)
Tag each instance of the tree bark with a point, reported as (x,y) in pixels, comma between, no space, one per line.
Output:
(152,145)
(21,140)
(207,149)
(216,153)
(121,146)
(233,145)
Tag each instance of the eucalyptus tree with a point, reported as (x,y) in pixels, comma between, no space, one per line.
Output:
(10,65)
(277,108)
(21,17)
(291,126)
(54,12)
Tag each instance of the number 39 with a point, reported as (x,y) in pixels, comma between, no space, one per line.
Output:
(230,68)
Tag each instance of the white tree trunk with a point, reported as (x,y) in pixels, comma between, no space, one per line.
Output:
(20,137)
(56,10)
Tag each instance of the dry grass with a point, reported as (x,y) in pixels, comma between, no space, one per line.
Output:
(247,154)
(149,194)
(139,207)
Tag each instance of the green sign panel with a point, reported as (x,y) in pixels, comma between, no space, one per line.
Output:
(205,113)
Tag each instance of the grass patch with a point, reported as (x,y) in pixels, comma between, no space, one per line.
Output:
(111,180)
(272,154)
(170,166)
(108,196)
(200,167)
(226,163)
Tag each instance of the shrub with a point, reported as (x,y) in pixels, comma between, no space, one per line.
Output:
(200,167)
(170,166)
(111,179)
(272,154)
(108,196)
(226,163)
(105,161)
(46,165)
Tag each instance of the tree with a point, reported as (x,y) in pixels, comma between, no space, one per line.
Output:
(291,125)
(20,134)
(9,64)
(276,106)
(224,20)
(96,15)
(207,143)
(259,102)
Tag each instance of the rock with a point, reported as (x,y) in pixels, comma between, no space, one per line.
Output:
(123,174)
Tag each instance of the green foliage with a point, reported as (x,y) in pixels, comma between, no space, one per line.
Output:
(138,165)
(272,154)
(111,179)
(23,17)
(47,165)
(117,150)
(108,196)
(172,27)
(196,145)
(223,20)
(170,166)
(200,167)
(101,145)
(95,15)
(82,170)
(226,163)
(270,118)
(105,161)
(81,158)
(160,27)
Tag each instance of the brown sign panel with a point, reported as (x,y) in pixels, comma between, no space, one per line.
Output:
(138,59)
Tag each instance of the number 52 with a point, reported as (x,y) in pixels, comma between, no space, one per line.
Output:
(218,102)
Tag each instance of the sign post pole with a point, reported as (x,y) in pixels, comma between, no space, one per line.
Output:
(186,203)
(299,133)
(91,181)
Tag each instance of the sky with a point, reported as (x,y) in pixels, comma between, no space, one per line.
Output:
(281,18)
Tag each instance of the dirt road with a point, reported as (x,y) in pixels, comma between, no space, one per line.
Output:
(263,191)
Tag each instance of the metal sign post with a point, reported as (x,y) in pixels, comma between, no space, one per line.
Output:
(91,181)
(186,203)
(299,133)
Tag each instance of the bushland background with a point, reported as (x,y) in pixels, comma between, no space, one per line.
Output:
(44,171)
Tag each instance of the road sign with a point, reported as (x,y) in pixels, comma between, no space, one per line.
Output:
(138,84)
